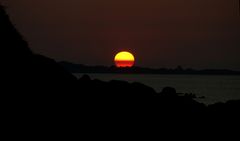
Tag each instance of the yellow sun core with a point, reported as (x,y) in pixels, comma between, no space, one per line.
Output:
(124,59)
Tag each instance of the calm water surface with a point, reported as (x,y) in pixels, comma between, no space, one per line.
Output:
(215,88)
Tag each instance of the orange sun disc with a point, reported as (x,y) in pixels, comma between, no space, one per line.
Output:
(124,59)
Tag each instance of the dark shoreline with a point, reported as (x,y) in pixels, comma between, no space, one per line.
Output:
(79,68)
(156,74)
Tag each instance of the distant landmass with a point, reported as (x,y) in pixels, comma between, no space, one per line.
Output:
(80,68)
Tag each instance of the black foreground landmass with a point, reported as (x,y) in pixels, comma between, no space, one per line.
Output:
(39,93)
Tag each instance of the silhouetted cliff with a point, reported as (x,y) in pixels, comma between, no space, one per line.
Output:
(12,42)
(21,65)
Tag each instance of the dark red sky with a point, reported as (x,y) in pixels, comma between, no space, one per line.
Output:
(161,33)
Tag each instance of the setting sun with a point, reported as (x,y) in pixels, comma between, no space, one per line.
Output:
(124,59)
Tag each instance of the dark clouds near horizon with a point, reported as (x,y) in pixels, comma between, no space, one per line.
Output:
(161,33)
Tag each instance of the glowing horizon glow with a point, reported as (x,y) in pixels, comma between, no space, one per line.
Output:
(124,59)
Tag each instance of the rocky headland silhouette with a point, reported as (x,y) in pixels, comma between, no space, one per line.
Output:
(38,90)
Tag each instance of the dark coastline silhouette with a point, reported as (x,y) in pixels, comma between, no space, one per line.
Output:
(80,68)
(39,91)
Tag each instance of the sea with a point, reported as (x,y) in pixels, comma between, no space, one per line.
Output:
(208,89)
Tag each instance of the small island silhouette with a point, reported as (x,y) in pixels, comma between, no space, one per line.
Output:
(38,91)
